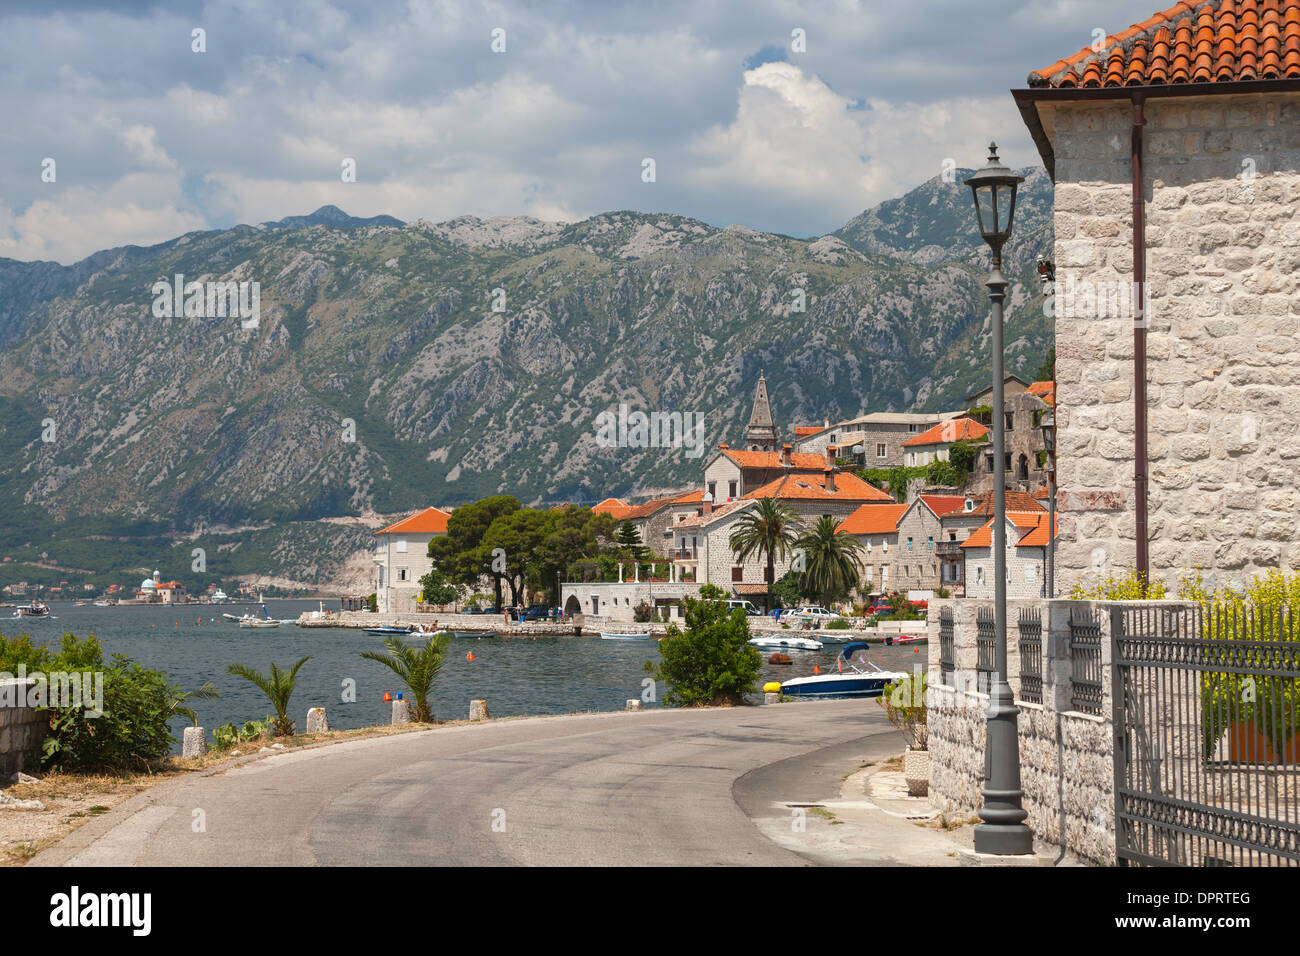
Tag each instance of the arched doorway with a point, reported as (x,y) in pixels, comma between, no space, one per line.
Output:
(572,606)
(1022,468)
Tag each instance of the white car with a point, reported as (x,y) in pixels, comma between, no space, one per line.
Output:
(809,612)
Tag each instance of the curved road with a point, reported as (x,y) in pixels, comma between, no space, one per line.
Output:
(651,788)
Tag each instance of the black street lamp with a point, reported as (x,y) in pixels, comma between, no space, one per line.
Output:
(1003,830)
(1047,425)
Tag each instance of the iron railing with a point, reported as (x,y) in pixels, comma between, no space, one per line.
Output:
(1031,654)
(985,636)
(1085,662)
(945,645)
(1207,736)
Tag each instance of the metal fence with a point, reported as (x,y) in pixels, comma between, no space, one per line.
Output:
(985,636)
(1207,731)
(946,665)
(1030,626)
(1085,662)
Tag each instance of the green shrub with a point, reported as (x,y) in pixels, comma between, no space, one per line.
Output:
(837,624)
(1127,585)
(226,736)
(711,662)
(904,703)
(137,702)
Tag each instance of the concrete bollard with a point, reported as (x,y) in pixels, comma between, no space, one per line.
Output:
(771,698)
(478,710)
(317,722)
(401,711)
(194,743)
(633,704)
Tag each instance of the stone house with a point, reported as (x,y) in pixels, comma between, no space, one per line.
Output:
(1024,456)
(920,534)
(1174,147)
(934,443)
(958,524)
(874,440)
(1027,544)
(876,528)
(402,558)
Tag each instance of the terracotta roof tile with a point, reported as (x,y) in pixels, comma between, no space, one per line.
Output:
(1044,390)
(1016,501)
(943,504)
(873,519)
(614,507)
(772,459)
(1194,41)
(954,429)
(848,487)
(428,521)
(1032,525)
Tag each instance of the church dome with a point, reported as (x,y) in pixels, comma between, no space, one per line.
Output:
(147,584)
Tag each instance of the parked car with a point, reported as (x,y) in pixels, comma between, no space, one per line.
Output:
(475,609)
(538,612)
(493,609)
(813,613)
(746,606)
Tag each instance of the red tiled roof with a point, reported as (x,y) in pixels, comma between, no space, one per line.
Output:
(691,497)
(1194,41)
(873,519)
(1016,501)
(428,521)
(1032,524)
(772,459)
(1044,390)
(848,487)
(954,429)
(614,507)
(803,431)
(942,504)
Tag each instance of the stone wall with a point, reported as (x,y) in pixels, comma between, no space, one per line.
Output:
(22,729)
(1066,757)
(1222,181)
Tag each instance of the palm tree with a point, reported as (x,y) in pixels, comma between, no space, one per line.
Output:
(768,530)
(278,688)
(416,668)
(833,565)
(179,704)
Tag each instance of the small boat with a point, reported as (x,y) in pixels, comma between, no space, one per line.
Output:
(856,682)
(386,629)
(259,622)
(475,633)
(605,636)
(35,609)
(787,643)
(907,639)
(80,604)
(103,604)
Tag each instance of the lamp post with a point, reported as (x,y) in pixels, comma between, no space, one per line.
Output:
(1047,424)
(1003,830)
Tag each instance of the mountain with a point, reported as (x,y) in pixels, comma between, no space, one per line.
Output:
(380,378)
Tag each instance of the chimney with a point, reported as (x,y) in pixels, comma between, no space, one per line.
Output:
(723,446)
(830,456)
(785,455)
(830,480)
(707,504)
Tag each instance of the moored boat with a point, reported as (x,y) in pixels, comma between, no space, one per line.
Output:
(609,636)
(782,642)
(855,682)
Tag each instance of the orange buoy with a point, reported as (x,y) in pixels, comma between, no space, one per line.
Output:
(469,656)
(387,696)
(817,668)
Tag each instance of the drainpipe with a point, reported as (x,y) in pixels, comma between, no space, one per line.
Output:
(1139,344)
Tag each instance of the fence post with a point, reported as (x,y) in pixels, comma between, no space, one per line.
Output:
(1119,756)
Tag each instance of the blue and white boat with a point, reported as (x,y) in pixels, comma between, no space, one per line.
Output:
(854,681)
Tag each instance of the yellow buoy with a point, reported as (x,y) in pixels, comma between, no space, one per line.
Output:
(772,687)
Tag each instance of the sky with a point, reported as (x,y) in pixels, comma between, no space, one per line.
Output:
(780,116)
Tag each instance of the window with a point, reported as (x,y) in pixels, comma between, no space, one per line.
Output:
(884,577)
(713,490)
(401,574)
(401,546)
(1031,572)
(880,449)
(884,543)
(929,545)
(738,574)
(1011,421)
(731,489)
(1006,463)
(979,574)
(968,505)
(869,570)
(909,544)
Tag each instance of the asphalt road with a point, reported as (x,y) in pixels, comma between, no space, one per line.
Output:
(652,788)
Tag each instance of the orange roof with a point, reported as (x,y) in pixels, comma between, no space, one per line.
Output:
(428,521)
(1032,524)
(848,487)
(1193,41)
(803,431)
(614,507)
(1015,500)
(772,459)
(873,519)
(954,429)
(942,504)
(691,497)
(1044,390)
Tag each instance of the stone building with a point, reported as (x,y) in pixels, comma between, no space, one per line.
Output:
(917,565)
(1196,113)
(402,558)
(1024,457)
(876,528)
(874,440)
(1027,544)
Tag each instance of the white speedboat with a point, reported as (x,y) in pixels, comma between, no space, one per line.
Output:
(604,636)
(855,681)
(35,609)
(259,622)
(781,642)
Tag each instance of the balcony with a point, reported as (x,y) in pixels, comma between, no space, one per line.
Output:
(948,549)
(685,554)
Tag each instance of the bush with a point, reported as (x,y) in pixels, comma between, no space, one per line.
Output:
(837,624)
(711,662)
(136,705)
(904,703)
(1124,586)
(642,613)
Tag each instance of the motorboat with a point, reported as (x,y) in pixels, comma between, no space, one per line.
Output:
(475,633)
(907,639)
(103,603)
(609,636)
(385,630)
(848,680)
(35,609)
(784,642)
(259,622)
